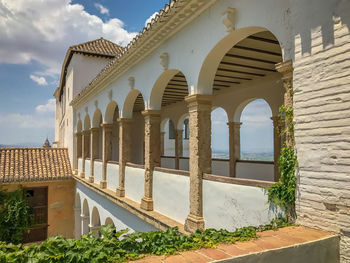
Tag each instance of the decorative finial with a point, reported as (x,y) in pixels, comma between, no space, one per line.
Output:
(131,82)
(164,60)
(229,19)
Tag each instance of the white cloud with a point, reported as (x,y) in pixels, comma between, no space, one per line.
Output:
(150,18)
(50,106)
(103,10)
(26,121)
(40,80)
(42,31)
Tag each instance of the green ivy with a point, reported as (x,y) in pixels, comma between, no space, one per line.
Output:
(15,216)
(123,246)
(282,193)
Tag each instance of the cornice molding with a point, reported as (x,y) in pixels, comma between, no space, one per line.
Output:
(172,19)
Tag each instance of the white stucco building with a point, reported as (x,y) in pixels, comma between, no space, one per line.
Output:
(114,105)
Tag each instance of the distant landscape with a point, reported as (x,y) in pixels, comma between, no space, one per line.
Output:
(256,156)
(25,145)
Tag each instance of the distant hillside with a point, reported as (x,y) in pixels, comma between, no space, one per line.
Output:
(25,145)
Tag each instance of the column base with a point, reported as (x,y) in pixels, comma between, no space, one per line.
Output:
(103,184)
(147,204)
(91,179)
(82,175)
(120,192)
(193,223)
(75,172)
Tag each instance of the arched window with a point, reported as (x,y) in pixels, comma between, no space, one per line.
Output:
(257,132)
(219,134)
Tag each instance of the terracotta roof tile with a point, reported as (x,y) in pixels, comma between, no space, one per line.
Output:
(99,46)
(34,164)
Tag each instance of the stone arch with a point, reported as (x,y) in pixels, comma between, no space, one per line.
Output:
(110,111)
(239,109)
(181,120)
(212,61)
(155,102)
(95,217)
(79,126)
(109,221)
(85,217)
(129,103)
(87,122)
(97,119)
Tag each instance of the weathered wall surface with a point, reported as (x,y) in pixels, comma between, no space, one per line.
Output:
(322,116)
(60,206)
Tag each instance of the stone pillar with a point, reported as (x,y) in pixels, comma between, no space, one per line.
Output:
(106,151)
(84,150)
(178,147)
(94,150)
(152,154)
(276,145)
(286,68)
(124,152)
(78,150)
(199,107)
(162,134)
(234,145)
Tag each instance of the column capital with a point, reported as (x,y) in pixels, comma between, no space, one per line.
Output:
(106,125)
(234,124)
(125,120)
(199,98)
(78,133)
(153,113)
(85,132)
(94,129)
(285,67)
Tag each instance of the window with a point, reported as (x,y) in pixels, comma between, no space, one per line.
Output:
(186,130)
(171,130)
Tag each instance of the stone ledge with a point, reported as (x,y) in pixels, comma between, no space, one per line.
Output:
(152,217)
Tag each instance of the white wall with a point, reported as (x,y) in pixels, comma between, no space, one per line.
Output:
(171,195)
(122,219)
(112,176)
(80,165)
(230,206)
(97,172)
(257,171)
(87,168)
(134,183)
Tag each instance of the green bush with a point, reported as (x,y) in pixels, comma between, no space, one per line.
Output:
(15,216)
(122,246)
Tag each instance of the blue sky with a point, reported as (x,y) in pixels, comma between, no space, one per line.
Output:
(35,36)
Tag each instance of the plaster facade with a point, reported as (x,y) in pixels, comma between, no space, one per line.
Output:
(312,35)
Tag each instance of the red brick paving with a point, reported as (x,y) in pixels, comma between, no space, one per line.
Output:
(267,240)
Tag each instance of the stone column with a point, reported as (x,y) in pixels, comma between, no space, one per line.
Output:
(234,145)
(124,152)
(106,151)
(199,107)
(152,154)
(84,150)
(78,150)
(94,150)
(178,147)
(286,68)
(276,145)
(162,134)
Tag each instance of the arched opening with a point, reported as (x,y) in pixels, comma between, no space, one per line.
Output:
(111,117)
(85,218)
(79,140)
(87,126)
(133,106)
(168,95)
(77,216)
(220,142)
(257,132)
(109,221)
(97,130)
(95,222)
(183,124)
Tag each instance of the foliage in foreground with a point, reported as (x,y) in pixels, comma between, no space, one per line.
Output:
(15,216)
(122,246)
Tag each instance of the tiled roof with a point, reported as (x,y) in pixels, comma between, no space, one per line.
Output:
(34,164)
(99,46)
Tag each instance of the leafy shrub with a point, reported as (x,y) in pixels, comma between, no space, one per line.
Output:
(15,216)
(122,246)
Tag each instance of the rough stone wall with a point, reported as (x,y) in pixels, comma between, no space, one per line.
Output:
(322,128)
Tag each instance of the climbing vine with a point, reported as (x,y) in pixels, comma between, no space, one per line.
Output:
(15,216)
(283,192)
